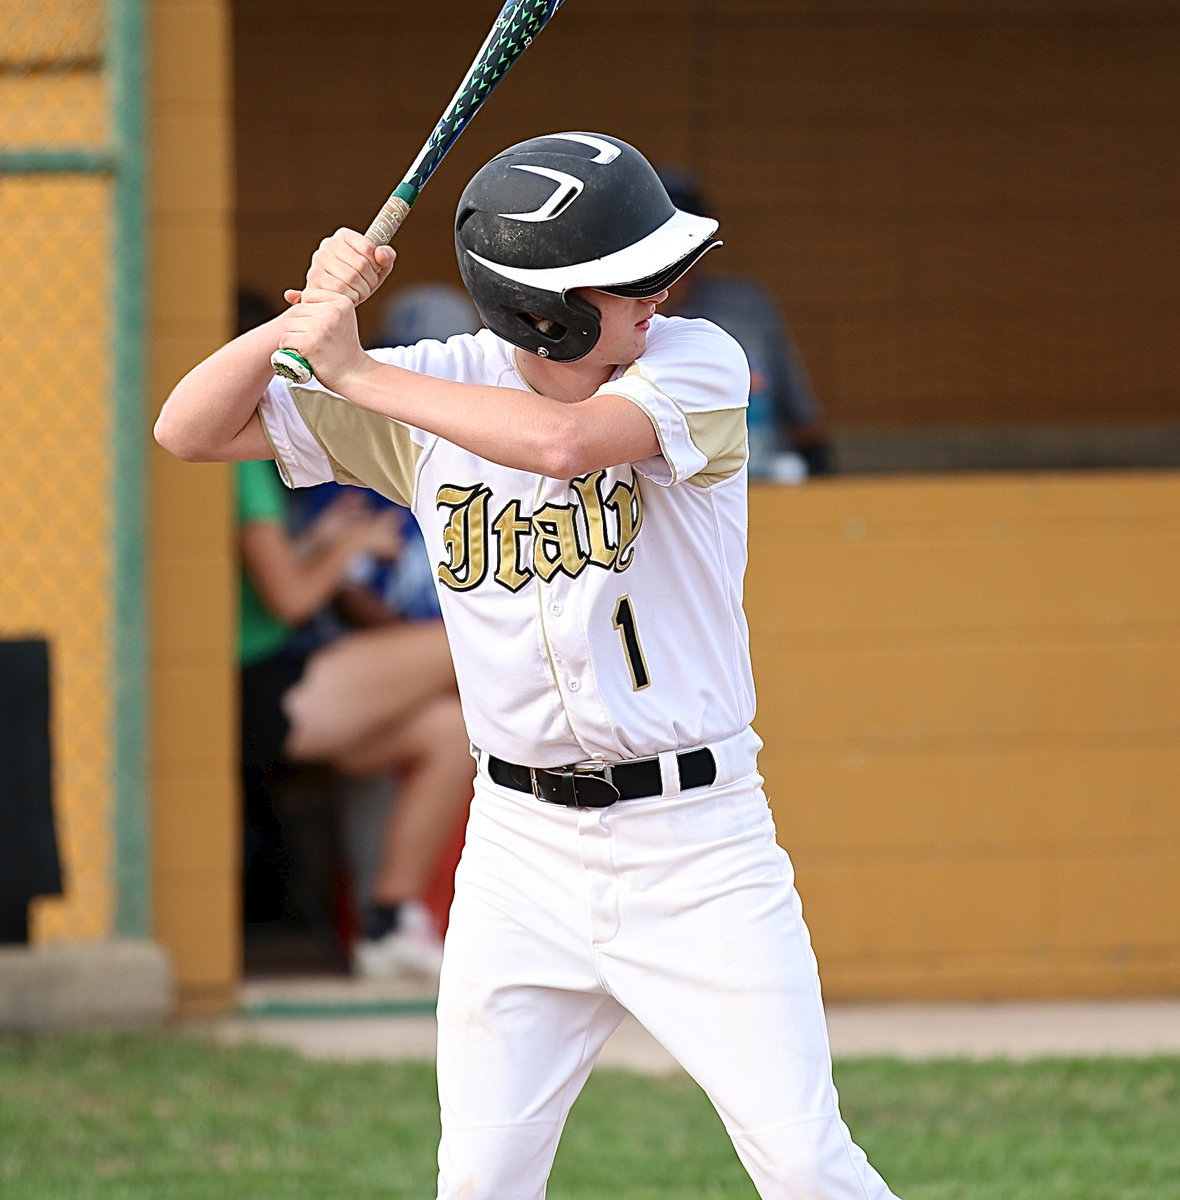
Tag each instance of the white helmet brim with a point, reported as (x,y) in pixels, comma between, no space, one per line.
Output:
(682,239)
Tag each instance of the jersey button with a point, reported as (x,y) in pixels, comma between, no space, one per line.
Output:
(575,685)
(556,609)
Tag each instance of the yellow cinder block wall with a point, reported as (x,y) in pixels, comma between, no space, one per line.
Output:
(193,783)
(968,696)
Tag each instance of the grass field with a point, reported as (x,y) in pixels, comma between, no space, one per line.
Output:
(126,1117)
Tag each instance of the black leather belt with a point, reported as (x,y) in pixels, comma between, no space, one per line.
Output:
(599,787)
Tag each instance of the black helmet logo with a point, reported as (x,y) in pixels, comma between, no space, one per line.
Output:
(567,190)
(568,187)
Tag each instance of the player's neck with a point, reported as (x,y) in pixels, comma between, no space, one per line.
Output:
(567,382)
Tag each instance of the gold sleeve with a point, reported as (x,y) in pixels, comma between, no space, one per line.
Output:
(364,448)
(721,438)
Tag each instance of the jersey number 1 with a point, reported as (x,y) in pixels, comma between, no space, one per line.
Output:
(625,624)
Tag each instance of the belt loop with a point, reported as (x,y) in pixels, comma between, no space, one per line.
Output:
(669,773)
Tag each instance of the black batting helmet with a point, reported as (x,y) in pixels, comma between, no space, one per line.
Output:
(566,211)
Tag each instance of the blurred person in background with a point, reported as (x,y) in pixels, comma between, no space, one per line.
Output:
(422,311)
(788,440)
(371,694)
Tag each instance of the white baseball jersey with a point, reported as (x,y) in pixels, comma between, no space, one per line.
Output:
(598,618)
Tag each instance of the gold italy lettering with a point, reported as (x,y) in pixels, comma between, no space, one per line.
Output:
(602,553)
(465,537)
(627,503)
(611,527)
(511,530)
(555,542)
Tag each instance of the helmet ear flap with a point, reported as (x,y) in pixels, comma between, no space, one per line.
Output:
(563,328)
(577,336)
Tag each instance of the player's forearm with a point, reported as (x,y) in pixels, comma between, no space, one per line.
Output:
(208,417)
(508,426)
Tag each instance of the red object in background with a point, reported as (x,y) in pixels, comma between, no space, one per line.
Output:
(441,889)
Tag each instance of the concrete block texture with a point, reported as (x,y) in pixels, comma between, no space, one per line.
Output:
(113,983)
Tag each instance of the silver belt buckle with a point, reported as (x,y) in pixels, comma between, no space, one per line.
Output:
(533,782)
(583,785)
(594,766)
(599,775)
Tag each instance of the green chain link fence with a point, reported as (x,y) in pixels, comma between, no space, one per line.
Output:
(72,483)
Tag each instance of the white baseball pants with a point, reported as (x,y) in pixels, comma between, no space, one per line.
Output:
(680,909)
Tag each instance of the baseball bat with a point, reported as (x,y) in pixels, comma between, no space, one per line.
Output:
(512,33)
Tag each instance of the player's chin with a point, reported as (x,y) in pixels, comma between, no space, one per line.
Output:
(621,346)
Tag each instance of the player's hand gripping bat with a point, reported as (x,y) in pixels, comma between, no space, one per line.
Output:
(518,23)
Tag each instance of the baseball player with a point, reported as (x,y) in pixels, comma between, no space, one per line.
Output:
(578,469)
